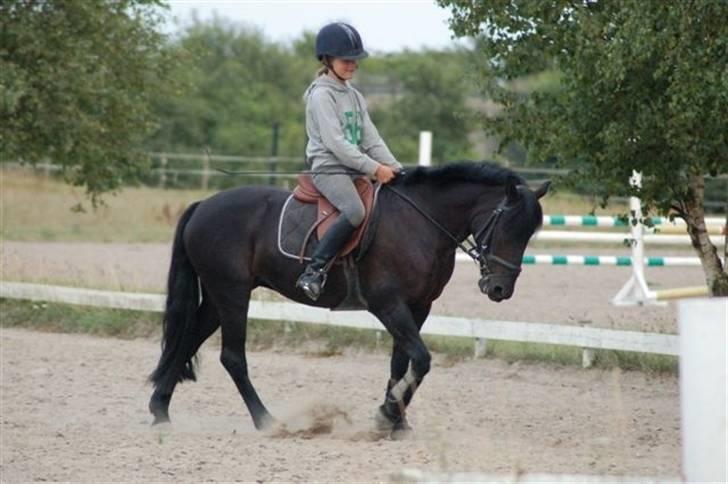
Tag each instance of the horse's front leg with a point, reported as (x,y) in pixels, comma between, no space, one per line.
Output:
(392,416)
(409,364)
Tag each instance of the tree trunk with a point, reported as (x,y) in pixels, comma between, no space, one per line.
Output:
(694,215)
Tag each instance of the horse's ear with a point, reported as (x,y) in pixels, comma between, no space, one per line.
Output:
(542,189)
(512,194)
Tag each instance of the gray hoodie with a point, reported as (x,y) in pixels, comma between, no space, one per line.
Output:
(340,133)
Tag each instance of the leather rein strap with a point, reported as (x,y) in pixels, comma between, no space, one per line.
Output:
(479,253)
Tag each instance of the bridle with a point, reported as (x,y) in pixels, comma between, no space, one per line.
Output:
(480,247)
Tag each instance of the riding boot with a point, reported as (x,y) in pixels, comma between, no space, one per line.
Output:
(313,279)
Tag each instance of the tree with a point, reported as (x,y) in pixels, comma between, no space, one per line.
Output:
(643,86)
(76,83)
(237,85)
(429,94)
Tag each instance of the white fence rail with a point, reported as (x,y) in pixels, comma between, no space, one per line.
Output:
(480,329)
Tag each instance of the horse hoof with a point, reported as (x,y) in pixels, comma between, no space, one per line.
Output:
(266,423)
(382,421)
(160,412)
(402,426)
(401,433)
(159,407)
(397,427)
(160,419)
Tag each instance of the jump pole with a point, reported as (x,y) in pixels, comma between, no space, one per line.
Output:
(702,326)
(681,292)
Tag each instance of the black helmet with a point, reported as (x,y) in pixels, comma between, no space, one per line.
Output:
(339,40)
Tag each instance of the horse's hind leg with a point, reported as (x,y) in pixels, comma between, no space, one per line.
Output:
(404,326)
(207,322)
(233,308)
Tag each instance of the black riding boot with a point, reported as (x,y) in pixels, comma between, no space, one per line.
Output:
(314,277)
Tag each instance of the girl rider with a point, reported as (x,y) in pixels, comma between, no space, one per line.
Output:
(343,144)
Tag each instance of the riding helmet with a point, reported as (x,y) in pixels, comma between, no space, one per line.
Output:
(340,40)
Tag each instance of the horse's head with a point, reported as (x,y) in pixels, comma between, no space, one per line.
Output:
(501,236)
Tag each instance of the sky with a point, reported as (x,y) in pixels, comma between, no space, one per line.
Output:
(385,26)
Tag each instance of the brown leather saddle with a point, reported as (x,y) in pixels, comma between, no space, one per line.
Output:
(306,192)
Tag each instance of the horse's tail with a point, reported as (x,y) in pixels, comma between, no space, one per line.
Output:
(180,314)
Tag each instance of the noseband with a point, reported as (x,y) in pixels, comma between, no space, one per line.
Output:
(479,250)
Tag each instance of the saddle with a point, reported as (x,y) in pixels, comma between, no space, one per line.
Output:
(307,193)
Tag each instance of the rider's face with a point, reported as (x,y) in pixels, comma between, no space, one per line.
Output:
(345,68)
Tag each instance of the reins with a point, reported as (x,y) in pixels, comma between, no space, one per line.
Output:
(432,221)
(479,253)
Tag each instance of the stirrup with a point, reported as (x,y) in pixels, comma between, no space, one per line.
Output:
(312,282)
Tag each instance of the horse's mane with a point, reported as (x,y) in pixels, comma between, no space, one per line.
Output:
(483,172)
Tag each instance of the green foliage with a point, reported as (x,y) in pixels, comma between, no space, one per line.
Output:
(77,80)
(643,85)
(239,84)
(428,92)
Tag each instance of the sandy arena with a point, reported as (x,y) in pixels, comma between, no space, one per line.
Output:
(74,407)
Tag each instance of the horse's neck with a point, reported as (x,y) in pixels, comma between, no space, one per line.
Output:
(452,205)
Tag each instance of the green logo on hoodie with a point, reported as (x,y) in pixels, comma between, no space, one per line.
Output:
(352,128)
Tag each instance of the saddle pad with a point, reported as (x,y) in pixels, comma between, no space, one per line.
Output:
(294,224)
(298,218)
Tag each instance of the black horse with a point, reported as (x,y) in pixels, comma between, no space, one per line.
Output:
(226,246)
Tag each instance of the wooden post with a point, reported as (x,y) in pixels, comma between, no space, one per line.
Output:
(274,153)
(481,348)
(163,171)
(587,357)
(205,169)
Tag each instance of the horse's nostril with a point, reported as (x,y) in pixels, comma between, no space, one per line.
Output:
(498,291)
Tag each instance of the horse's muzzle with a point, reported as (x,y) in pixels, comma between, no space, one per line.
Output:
(497,286)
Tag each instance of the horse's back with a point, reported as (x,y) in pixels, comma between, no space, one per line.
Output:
(237,206)
(233,221)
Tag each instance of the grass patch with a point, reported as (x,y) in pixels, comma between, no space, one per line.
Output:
(628,360)
(312,339)
(67,318)
(38,208)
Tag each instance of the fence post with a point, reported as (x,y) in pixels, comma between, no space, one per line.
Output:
(205,169)
(274,154)
(425,158)
(480,348)
(588,356)
(163,171)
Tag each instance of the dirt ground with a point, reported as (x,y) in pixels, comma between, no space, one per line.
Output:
(74,407)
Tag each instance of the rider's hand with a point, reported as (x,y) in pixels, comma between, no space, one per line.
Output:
(384,174)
